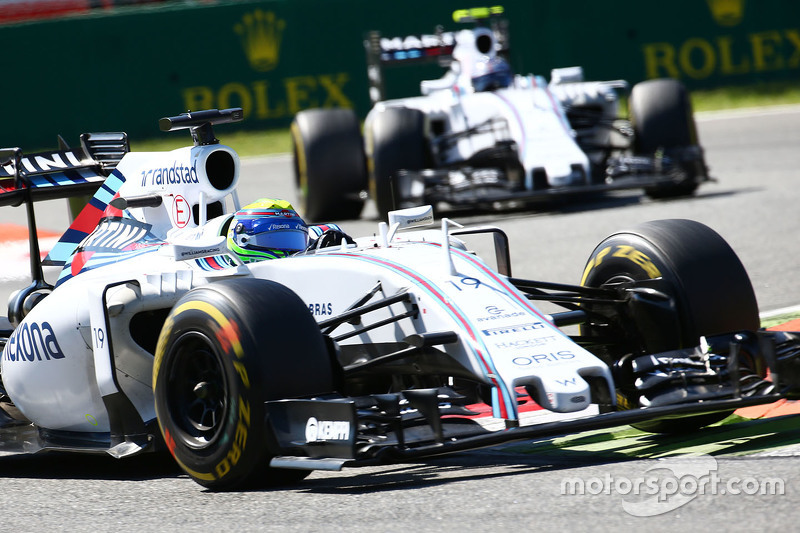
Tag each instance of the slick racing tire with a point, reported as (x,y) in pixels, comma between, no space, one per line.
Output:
(703,276)
(662,119)
(397,137)
(224,350)
(329,164)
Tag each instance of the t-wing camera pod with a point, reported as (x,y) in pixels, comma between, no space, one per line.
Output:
(200,123)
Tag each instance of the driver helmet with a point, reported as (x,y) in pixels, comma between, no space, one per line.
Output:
(266,229)
(491,74)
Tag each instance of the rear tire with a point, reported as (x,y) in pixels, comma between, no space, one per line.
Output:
(662,119)
(397,137)
(224,350)
(705,278)
(329,164)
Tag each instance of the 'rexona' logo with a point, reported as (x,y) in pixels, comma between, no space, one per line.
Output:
(727,12)
(261,34)
(33,342)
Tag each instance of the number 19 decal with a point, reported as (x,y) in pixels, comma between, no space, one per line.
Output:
(99,337)
(466,282)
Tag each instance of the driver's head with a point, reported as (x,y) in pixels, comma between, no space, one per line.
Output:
(266,229)
(491,74)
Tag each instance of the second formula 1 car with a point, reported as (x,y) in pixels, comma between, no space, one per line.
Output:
(481,136)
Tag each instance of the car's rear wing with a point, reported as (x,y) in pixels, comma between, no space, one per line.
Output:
(426,48)
(61,173)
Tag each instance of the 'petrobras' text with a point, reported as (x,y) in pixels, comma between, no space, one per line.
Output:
(170,175)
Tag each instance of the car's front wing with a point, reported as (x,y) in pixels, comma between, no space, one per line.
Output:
(329,434)
(478,187)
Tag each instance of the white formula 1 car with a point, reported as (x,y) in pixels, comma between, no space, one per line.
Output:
(482,137)
(165,330)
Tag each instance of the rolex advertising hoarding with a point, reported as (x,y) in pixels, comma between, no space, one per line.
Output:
(123,69)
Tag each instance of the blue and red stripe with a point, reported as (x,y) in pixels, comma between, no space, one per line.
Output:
(87,220)
(503,400)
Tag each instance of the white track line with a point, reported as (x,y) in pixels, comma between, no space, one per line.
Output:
(706,116)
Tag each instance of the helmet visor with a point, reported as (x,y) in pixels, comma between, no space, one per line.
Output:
(491,81)
(272,233)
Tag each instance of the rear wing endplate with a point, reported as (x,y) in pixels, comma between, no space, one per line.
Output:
(60,173)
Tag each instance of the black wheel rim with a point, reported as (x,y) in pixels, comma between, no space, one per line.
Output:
(198,393)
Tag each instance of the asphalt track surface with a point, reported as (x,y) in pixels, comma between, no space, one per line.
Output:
(753,206)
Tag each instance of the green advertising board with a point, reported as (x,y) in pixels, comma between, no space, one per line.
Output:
(125,70)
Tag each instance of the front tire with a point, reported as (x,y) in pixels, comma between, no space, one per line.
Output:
(397,137)
(700,272)
(224,350)
(662,119)
(329,164)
